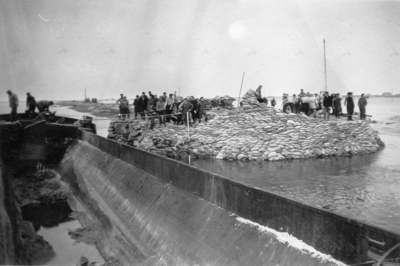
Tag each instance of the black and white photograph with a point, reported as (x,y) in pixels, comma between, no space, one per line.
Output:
(200,132)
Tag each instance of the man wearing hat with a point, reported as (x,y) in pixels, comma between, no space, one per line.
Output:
(362,103)
(349,103)
(30,104)
(13,100)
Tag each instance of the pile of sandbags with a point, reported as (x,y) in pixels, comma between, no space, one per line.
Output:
(257,132)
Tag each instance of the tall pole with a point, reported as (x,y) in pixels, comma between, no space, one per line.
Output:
(240,92)
(326,81)
(241,85)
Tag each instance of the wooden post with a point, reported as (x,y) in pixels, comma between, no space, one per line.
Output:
(241,85)
(240,92)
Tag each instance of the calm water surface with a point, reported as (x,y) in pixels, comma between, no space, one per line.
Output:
(364,187)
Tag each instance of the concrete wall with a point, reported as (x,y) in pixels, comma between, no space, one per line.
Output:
(345,239)
(148,221)
(12,250)
(9,141)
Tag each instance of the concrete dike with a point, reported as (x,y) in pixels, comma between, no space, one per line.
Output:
(148,221)
(151,210)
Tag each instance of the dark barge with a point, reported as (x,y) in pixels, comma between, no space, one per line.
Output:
(151,210)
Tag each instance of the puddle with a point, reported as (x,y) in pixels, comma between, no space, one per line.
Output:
(43,198)
(67,251)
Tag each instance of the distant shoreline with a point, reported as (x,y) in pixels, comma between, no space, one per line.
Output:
(108,110)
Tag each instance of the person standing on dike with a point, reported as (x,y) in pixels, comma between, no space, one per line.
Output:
(120,103)
(349,103)
(30,104)
(186,107)
(137,107)
(326,105)
(258,93)
(143,104)
(336,105)
(13,101)
(362,103)
(168,106)
(273,102)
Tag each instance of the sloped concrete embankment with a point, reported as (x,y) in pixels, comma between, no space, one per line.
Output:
(143,220)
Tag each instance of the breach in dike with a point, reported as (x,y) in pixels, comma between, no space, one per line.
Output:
(253,132)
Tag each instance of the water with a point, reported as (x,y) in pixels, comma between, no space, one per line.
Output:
(364,187)
(102,123)
(67,252)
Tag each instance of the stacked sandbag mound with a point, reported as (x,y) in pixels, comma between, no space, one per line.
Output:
(257,132)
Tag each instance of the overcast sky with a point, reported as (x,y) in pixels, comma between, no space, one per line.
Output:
(56,49)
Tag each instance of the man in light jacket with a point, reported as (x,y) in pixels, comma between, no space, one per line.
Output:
(362,103)
(13,100)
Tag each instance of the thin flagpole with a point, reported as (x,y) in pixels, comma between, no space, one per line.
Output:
(241,85)
(326,80)
(240,92)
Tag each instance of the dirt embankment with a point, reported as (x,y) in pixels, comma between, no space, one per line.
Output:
(98,109)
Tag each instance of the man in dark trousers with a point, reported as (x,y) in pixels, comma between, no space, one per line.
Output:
(43,106)
(195,109)
(362,103)
(143,104)
(30,104)
(13,101)
(327,103)
(168,106)
(202,110)
(137,106)
(349,103)
(186,107)
(273,102)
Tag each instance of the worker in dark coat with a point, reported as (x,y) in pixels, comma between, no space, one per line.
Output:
(30,104)
(349,103)
(43,106)
(195,110)
(202,109)
(186,107)
(143,102)
(273,102)
(137,106)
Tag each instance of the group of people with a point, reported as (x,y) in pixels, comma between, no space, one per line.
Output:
(311,103)
(169,108)
(31,104)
